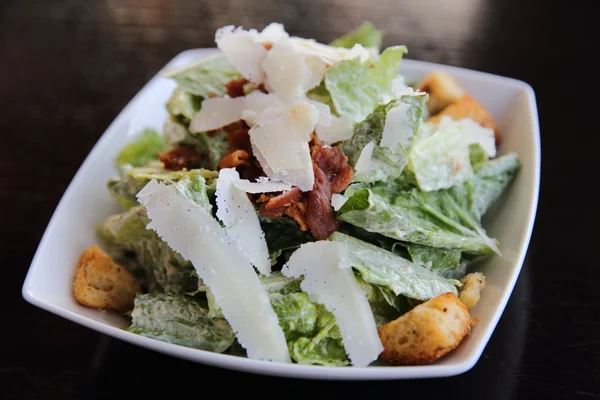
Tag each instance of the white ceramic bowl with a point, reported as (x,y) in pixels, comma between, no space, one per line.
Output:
(87,202)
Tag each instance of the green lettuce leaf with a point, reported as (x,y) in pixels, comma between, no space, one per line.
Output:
(356,87)
(212,147)
(490,181)
(179,320)
(438,260)
(283,235)
(142,150)
(386,306)
(297,314)
(207,78)
(429,218)
(366,35)
(183,105)
(280,284)
(125,187)
(441,161)
(388,270)
(386,164)
(325,347)
(477,155)
(143,253)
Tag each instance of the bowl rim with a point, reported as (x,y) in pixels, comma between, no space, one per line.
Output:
(296,370)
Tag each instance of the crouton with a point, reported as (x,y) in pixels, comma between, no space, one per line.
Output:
(472,286)
(468,107)
(427,332)
(101,283)
(443,90)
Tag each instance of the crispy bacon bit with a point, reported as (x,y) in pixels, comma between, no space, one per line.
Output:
(319,213)
(239,139)
(298,212)
(333,162)
(234,159)
(271,212)
(235,88)
(180,157)
(285,199)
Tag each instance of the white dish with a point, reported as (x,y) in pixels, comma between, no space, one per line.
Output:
(87,202)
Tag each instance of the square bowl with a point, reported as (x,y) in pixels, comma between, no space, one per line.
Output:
(86,203)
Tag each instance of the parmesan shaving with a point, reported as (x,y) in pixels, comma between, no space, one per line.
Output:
(337,201)
(329,280)
(474,133)
(396,130)
(237,213)
(262,185)
(364,159)
(339,128)
(216,113)
(197,236)
(242,51)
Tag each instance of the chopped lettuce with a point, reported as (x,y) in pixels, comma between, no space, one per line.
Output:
(179,320)
(386,306)
(277,283)
(477,155)
(386,163)
(206,79)
(438,260)
(434,219)
(212,147)
(183,105)
(442,160)
(132,180)
(490,181)
(283,235)
(325,347)
(366,35)
(388,270)
(297,314)
(142,150)
(142,252)
(357,87)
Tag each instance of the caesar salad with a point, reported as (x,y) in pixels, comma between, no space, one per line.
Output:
(305,204)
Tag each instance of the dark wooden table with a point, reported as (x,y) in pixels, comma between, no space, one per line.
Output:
(68,67)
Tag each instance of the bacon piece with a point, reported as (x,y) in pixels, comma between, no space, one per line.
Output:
(319,213)
(235,87)
(333,162)
(297,211)
(180,157)
(239,139)
(285,199)
(270,212)
(234,159)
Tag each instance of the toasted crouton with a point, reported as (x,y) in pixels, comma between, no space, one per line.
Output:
(443,90)
(101,283)
(467,107)
(427,332)
(471,289)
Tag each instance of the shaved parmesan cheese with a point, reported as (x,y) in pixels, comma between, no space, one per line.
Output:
(364,159)
(243,51)
(396,130)
(339,128)
(272,33)
(286,71)
(280,143)
(337,201)
(328,54)
(325,116)
(197,236)
(237,213)
(474,133)
(216,113)
(329,280)
(256,102)
(262,185)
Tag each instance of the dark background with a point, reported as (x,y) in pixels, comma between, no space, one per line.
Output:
(68,67)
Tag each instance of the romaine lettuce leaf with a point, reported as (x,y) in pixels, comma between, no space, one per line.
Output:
(142,150)
(207,78)
(386,164)
(386,306)
(132,180)
(366,35)
(477,155)
(179,320)
(325,347)
(142,252)
(183,105)
(278,283)
(434,219)
(442,160)
(438,260)
(356,87)
(388,270)
(212,147)
(489,182)
(297,314)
